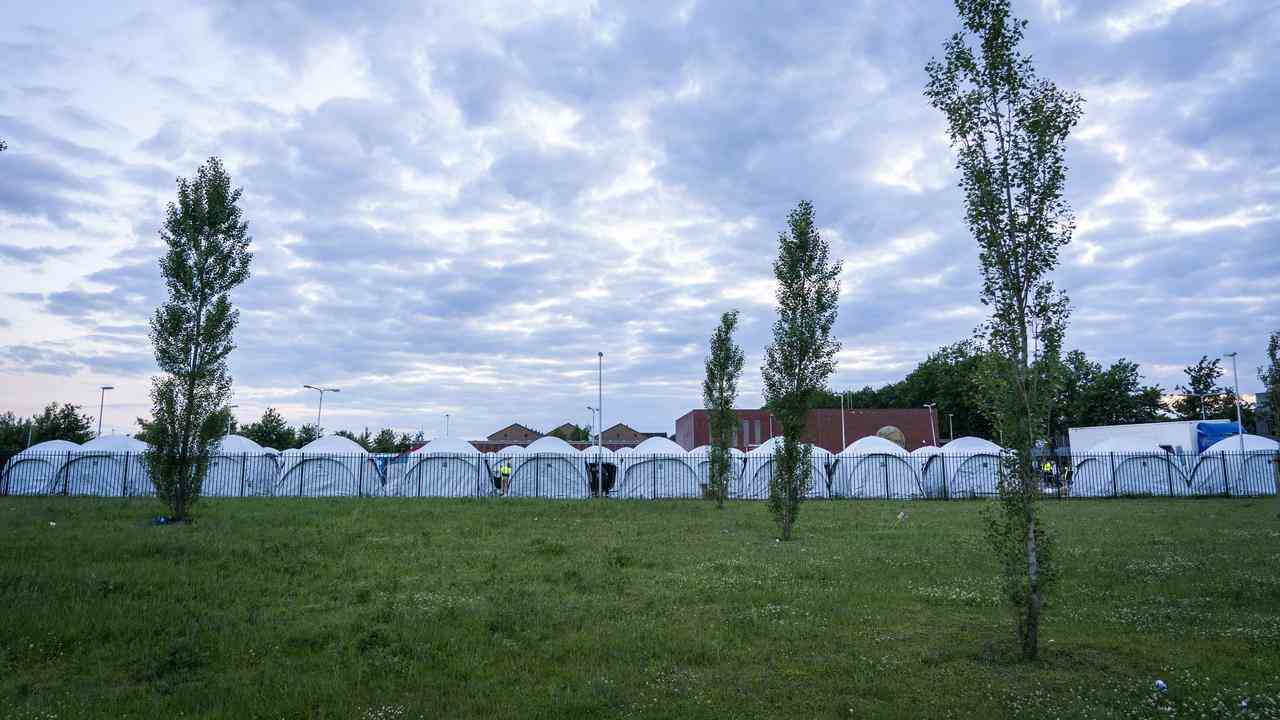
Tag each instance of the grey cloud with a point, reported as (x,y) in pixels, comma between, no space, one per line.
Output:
(167,142)
(32,255)
(429,298)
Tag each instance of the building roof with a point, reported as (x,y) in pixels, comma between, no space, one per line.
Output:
(514,428)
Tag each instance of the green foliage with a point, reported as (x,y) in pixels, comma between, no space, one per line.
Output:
(271,430)
(1089,395)
(1205,397)
(55,422)
(572,433)
(948,377)
(802,355)
(1269,374)
(364,440)
(385,442)
(1009,130)
(719,393)
(388,608)
(207,256)
(13,432)
(308,433)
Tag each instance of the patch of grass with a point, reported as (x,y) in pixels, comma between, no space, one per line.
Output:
(417,608)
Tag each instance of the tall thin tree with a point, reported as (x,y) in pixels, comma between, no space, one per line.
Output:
(1269,374)
(207,257)
(802,356)
(719,393)
(1009,129)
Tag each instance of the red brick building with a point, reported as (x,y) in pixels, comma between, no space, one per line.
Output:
(822,427)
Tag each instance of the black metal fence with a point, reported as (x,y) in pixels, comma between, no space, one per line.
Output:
(632,476)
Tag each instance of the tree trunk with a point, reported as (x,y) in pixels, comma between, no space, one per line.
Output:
(787,522)
(1031,623)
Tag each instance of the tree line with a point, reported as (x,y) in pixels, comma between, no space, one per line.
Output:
(1085,393)
(56,422)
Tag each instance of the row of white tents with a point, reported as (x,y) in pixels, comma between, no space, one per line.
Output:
(871,467)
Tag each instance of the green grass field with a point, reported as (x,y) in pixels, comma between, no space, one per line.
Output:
(488,609)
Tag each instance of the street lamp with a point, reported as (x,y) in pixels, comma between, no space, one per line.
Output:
(229,417)
(446,424)
(933,430)
(593,421)
(600,402)
(102,401)
(951,423)
(1235,376)
(843,442)
(322,391)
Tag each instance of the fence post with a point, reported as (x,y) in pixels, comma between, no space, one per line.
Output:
(244,461)
(1168,471)
(360,477)
(302,466)
(1275,472)
(885,464)
(537,476)
(1226,476)
(946,490)
(1114,491)
(124,488)
(65,479)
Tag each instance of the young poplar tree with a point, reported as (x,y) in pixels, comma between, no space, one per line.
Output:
(719,393)
(1009,130)
(208,256)
(802,355)
(1269,374)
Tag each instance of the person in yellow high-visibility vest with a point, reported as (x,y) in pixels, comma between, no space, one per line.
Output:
(505,478)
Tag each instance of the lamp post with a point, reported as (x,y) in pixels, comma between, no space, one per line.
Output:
(843,442)
(594,426)
(600,402)
(951,423)
(102,402)
(229,418)
(1235,376)
(446,424)
(319,410)
(933,430)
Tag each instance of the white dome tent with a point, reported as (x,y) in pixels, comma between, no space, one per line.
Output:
(108,465)
(754,482)
(700,459)
(240,468)
(931,467)
(35,470)
(873,467)
(330,466)
(1223,468)
(444,467)
(1128,466)
(658,468)
(973,467)
(548,467)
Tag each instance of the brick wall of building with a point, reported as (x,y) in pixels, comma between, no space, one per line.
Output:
(822,427)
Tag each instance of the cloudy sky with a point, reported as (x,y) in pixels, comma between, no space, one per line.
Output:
(455,207)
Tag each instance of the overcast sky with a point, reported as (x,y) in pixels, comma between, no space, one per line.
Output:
(454,208)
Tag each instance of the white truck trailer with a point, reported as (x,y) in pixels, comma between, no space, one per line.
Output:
(1180,437)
